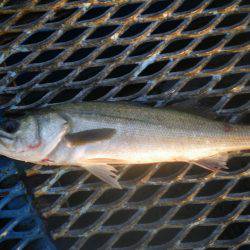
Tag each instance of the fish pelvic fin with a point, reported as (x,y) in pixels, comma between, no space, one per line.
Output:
(105,172)
(89,136)
(215,163)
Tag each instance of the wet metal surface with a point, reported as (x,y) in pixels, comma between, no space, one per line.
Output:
(152,52)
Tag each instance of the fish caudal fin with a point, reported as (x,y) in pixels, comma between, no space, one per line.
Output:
(105,172)
(213,163)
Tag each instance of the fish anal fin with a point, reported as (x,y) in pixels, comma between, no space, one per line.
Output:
(105,172)
(89,136)
(213,163)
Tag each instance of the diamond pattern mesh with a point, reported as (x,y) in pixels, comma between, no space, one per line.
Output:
(153,52)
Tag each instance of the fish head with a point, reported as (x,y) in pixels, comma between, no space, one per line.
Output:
(16,133)
(31,137)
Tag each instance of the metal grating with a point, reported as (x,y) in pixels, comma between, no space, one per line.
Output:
(154,52)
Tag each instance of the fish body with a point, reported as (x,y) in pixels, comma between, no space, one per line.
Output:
(93,135)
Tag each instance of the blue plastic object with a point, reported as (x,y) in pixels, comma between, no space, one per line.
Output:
(20,225)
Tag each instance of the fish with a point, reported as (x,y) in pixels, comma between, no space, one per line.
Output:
(99,136)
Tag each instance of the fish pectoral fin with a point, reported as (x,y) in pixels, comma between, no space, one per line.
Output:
(105,172)
(89,136)
(213,163)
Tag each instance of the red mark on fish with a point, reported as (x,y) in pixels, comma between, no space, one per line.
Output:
(47,160)
(35,146)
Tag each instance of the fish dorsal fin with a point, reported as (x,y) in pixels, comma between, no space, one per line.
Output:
(213,163)
(89,136)
(105,172)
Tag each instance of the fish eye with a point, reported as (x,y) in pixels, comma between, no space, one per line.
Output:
(10,126)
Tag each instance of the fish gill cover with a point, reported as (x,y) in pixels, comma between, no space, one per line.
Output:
(152,52)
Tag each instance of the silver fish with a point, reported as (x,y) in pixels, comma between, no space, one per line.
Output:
(97,136)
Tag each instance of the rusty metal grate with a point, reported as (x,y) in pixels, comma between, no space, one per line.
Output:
(154,52)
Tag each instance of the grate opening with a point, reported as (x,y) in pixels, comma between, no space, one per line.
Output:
(130,89)
(234,230)
(45,201)
(8,37)
(112,51)
(163,87)
(157,6)
(229,80)
(96,241)
(25,77)
(65,243)
(29,18)
(4,17)
(68,179)
(98,93)
(144,48)
(135,29)
(70,35)
(86,219)
(189,5)
(126,10)
(80,54)
(209,42)
(177,45)
(77,198)
(188,211)
(244,61)
(54,222)
(66,94)
(242,186)
(239,39)
(219,4)
(154,68)
(164,236)
(103,31)
(219,61)
(33,96)
(199,233)
(223,209)
(121,71)
(186,64)
(232,20)
(110,196)
(212,188)
(144,193)
(178,190)
(167,26)
(88,73)
(14,59)
(199,23)
(38,37)
(56,76)
(61,14)
(47,55)
(154,214)
(129,239)
(94,13)
(120,217)
(196,84)
(237,101)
